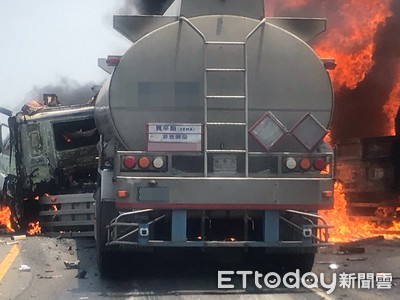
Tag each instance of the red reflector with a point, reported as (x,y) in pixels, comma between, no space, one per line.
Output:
(327,194)
(113,60)
(144,162)
(129,162)
(319,164)
(122,194)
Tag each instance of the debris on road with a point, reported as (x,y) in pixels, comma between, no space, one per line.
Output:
(333,266)
(18,237)
(12,243)
(321,262)
(81,274)
(50,277)
(24,268)
(356,258)
(72,265)
(351,249)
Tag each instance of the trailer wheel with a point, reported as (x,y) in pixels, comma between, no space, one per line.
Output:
(103,217)
(104,257)
(104,260)
(301,261)
(281,263)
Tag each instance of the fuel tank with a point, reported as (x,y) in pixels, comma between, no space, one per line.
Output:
(166,75)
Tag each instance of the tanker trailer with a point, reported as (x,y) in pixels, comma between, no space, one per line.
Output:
(212,128)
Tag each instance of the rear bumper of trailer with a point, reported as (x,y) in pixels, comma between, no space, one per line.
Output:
(222,193)
(133,210)
(122,231)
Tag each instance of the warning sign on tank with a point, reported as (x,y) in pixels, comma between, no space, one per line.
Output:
(174,136)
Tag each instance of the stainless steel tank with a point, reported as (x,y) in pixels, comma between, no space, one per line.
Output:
(161,79)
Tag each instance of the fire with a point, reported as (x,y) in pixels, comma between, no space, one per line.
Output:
(349,39)
(328,138)
(34,228)
(392,105)
(353,46)
(348,228)
(5,217)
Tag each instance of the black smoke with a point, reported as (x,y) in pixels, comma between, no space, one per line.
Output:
(145,7)
(68,91)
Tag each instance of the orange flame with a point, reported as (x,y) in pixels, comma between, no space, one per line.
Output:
(5,217)
(350,35)
(328,138)
(34,228)
(348,228)
(392,105)
(353,50)
(352,27)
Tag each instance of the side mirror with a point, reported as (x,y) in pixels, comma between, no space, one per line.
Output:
(2,125)
(8,113)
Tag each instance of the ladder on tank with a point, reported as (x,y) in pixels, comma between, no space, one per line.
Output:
(243,97)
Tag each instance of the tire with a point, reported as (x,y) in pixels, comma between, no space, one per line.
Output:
(302,261)
(18,222)
(281,263)
(104,256)
(104,261)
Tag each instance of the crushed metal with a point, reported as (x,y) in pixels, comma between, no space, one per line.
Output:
(72,265)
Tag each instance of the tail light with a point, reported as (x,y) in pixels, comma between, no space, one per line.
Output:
(144,162)
(305,164)
(158,162)
(319,164)
(129,162)
(291,163)
(122,194)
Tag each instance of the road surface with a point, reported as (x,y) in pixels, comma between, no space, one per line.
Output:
(183,277)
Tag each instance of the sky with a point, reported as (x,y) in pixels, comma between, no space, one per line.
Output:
(48,42)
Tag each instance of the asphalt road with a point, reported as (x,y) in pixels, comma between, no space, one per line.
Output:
(169,277)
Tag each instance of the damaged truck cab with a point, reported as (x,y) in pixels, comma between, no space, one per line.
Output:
(51,150)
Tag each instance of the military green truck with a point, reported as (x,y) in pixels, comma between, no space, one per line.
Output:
(48,166)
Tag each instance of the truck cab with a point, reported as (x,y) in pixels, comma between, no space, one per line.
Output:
(52,149)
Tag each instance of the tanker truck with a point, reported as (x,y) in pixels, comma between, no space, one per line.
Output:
(211,135)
